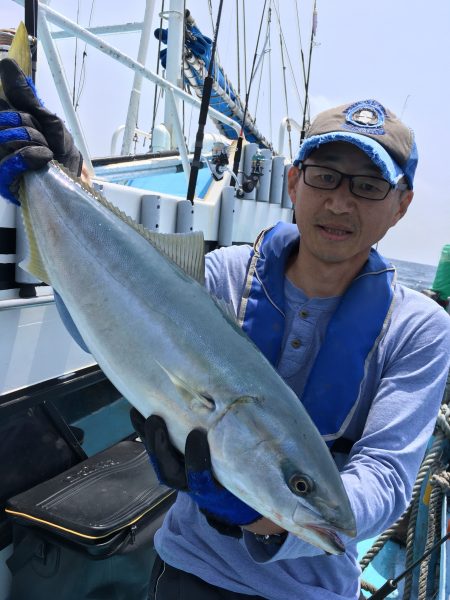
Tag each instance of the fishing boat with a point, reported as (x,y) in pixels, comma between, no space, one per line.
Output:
(52,394)
(227,191)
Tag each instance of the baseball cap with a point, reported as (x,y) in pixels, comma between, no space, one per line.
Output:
(387,141)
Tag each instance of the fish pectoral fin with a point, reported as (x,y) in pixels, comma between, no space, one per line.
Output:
(192,397)
(187,250)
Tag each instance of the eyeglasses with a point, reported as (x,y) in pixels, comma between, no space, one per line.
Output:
(363,186)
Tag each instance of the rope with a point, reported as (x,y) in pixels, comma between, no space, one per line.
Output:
(442,434)
(381,541)
(411,511)
(434,518)
(368,587)
(440,481)
(443,419)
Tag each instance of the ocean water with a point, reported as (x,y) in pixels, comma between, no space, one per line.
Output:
(414,275)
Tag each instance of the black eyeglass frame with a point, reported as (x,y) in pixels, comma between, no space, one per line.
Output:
(399,186)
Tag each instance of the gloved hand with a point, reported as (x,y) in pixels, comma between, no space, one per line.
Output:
(30,135)
(192,473)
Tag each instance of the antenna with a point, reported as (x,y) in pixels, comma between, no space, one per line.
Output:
(404,105)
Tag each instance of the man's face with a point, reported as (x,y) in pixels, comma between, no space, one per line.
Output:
(337,226)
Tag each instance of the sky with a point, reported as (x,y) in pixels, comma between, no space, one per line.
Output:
(396,51)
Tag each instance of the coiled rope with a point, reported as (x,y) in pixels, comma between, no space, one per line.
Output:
(440,480)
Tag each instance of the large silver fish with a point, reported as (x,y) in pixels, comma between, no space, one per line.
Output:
(171,350)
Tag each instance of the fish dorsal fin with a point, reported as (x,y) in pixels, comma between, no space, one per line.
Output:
(187,250)
(33,262)
(194,399)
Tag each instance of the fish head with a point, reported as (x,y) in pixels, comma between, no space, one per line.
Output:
(271,455)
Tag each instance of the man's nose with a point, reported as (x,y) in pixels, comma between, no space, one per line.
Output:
(341,200)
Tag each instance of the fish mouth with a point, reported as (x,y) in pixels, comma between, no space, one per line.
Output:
(327,530)
(322,517)
(329,536)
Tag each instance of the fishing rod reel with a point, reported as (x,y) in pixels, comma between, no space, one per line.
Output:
(219,160)
(250,182)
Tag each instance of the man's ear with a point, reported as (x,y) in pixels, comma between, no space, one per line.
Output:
(293,179)
(405,201)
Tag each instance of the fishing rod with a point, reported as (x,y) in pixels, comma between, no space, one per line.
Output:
(31,14)
(206,96)
(237,155)
(391,584)
(311,44)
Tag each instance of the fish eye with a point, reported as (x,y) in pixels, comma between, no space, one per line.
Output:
(300,484)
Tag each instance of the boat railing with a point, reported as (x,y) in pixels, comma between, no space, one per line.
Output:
(14,303)
(286,125)
(145,134)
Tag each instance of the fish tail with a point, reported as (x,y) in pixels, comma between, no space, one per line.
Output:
(20,52)
(33,263)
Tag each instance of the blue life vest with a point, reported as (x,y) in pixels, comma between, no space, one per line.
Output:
(353,332)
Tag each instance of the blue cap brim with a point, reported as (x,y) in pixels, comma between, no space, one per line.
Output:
(390,170)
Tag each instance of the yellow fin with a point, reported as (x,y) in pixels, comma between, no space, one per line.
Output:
(20,52)
(187,250)
(33,262)
(20,49)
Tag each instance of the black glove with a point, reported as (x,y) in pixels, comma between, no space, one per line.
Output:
(192,473)
(30,135)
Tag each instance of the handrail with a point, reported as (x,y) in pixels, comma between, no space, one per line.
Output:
(13,303)
(145,134)
(285,123)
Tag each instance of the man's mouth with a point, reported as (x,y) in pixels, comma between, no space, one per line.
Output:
(335,233)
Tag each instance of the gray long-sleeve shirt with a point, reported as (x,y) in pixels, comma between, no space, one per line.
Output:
(394,418)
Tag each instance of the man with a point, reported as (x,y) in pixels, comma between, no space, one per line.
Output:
(367,357)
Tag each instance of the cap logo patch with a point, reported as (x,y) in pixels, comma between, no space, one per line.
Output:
(366,117)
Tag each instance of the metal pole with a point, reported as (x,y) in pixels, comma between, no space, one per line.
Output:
(57,71)
(174,60)
(178,135)
(133,106)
